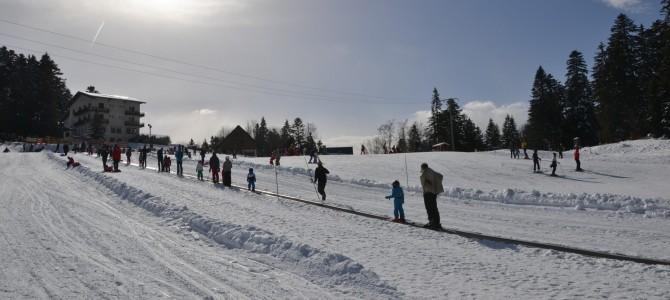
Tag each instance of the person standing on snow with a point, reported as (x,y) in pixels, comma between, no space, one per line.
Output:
(198,170)
(579,164)
(66,149)
(226,171)
(431,182)
(560,150)
(320,177)
(251,180)
(398,199)
(553,165)
(179,156)
(166,163)
(524,146)
(129,152)
(159,156)
(116,157)
(214,165)
(536,162)
(104,153)
(202,155)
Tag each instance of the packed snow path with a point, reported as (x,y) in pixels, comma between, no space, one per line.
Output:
(419,263)
(64,236)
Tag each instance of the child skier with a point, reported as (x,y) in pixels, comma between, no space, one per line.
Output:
(198,169)
(251,180)
(536,162)
(553,165)
(398,200)
(166,163)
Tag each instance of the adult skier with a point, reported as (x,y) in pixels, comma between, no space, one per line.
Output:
(536,162)
(226,171)
(202,155)
(320,177)
(524,146)
(104,153)
(579,165)
(560,150)
(66,149)
(553,165)
(116,157)
(214,165)
(431,182)
(129,152)
(159,156)
(179,157)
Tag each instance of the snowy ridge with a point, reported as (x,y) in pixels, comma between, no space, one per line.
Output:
(324,268)
(649,207)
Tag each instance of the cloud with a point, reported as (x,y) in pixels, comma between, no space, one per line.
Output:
(480,112)
(623,4)
(205,111)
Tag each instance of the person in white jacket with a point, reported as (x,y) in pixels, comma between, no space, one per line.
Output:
(431,182)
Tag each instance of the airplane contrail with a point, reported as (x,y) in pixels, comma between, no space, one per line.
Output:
(95,38)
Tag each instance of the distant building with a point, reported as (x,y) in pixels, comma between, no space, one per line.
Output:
(117,118)
(440,147)
(239,142)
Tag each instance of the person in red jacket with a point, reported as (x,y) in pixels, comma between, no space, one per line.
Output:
(579,165)
(116,157)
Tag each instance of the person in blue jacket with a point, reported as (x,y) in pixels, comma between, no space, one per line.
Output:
(251,180)
(398,199)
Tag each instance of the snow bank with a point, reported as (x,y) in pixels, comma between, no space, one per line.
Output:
(650,151)
(327,269)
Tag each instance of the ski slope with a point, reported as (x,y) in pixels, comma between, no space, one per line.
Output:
(198,232)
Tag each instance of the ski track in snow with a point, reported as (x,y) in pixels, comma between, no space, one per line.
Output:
(67,234)
(424,264)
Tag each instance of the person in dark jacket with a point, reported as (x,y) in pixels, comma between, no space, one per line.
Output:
(129,152)
(66,149)
(251,180)
(202,155)
(104,153)
(179,157)
(226,171)
(159,156)
(320,177)
(536,162)
(553,166)
(214,165)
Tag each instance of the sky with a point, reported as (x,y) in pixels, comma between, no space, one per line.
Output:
(346,66)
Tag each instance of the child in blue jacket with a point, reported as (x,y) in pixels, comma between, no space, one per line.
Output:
(251,180)
(398,200)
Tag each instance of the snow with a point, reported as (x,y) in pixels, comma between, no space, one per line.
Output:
(140,234)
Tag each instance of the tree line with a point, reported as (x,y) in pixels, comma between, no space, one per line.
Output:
(291,138)
(33,96)
(628,96)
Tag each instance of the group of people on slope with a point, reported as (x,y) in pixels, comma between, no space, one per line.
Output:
(554,162)
(115,152)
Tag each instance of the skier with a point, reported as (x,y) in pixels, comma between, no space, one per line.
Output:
(560,150)
(202,155)
(431,182)
(143,157)
(553,165)
(6,150)
(66,149)
(129,152)
(536,162)
(579,165)
(166,163)
(251,180)
(198,170)
(312,156)
(272,158)
(398,199)
(179,156)
(363,151)
(277,159)
(104,153)
(320,177)
(512,152)
(214,167)
(159,155)
(226,170)
(116,157)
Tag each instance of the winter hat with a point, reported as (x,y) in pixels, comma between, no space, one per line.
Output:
(396,184)
(251,170)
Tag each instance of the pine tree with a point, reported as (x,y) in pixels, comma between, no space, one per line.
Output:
(298,132)
(414,140)
(471,139)
(492,136)
(452,116)
(544,112)
(285,135)
(510,134)
(578,109)
(616,85)
(262,138)
(435,129)
(91,89)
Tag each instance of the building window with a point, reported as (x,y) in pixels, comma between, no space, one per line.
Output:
(101,105)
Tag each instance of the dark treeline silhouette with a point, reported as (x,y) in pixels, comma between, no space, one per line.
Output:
(627,98)
(292,138)
(33,96)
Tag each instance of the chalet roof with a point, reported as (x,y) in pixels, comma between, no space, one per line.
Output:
(105,96)
(239,139)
